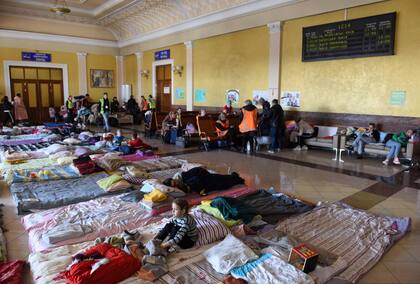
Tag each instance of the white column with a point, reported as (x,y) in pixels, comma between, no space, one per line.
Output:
(139,56)
(274,59)
(81,64)
(120,74)
(189,74)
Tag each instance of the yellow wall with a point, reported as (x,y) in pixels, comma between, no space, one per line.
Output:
(178,54)
(105,62)
(232,61)
(361,85)
(92,61)
(56,57)
(130,73)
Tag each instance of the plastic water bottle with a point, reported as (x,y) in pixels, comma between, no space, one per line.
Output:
(248,147)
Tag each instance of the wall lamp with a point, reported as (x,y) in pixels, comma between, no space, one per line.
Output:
(144,73)
(178,70)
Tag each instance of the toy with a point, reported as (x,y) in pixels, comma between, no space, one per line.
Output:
(303,257)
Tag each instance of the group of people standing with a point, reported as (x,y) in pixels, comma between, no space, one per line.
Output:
(15,111)
(269,122)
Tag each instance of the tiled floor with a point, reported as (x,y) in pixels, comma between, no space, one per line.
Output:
(312,176)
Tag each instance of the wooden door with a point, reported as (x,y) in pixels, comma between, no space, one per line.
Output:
(164,88)
(40,89)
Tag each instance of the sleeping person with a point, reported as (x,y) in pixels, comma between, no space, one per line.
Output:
(201,181)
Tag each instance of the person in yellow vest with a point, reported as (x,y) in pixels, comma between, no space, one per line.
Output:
(70,109)
(152,103)
(104,109)
(248,125)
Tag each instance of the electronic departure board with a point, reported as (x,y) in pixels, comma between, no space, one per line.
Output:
(370,36)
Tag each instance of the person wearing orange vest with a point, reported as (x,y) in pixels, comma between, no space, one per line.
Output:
(248,125)
(224,130)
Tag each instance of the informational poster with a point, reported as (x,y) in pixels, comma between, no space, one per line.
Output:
(290,99)
(398,98)
(179,93)
(264,94)
(233,96)
(200,96)
(166,90)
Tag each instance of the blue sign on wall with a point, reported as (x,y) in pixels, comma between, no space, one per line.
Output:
(163,54)
(34,56)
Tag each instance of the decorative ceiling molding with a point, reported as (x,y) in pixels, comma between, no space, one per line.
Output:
(137,21)
(57,38)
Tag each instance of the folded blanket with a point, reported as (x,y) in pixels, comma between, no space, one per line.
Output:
(42,174)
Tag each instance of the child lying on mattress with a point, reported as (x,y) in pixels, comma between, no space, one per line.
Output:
(201,181)
(181,230)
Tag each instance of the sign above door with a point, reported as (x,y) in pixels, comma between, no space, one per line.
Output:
(163,54)
(35,56)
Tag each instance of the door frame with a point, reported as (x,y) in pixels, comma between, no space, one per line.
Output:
(158,63)
(8,63)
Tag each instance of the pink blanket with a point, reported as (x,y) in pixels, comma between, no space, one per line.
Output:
(138,157)
(103,216)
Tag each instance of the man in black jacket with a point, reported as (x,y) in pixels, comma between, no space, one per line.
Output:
(276,116)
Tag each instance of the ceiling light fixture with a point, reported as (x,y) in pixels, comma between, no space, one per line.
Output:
(60,8)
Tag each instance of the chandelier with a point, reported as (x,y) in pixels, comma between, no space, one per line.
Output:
(60,8)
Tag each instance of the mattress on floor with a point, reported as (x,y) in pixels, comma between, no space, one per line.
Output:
(42,174)
(159,164)
(358,237)
(56,193)
(47,264)
(105,216)
(195,199)
(27,165)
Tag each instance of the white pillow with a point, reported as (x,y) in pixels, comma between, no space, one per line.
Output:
(71,141)
(54,148)
(164,188)
(228,254)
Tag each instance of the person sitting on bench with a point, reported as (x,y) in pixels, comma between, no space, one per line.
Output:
(201,181)
(364,136)
(224,130)
(302,131)
(395,142)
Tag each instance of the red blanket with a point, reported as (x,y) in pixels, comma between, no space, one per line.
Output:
(120,266)
(11,272)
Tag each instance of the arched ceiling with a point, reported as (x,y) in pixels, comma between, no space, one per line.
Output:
(125,19)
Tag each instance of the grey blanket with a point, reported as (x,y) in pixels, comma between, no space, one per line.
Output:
(56,193)
(272,207)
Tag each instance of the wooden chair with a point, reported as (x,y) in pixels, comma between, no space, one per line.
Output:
(206,130)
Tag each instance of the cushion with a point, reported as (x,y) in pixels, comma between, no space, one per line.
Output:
(325,131)
(135,172)
(54,148)
(66,160)
(60,154)
(210,229)
(81,151)
(155,196)
(228,254)
(16,156)
(173,191)
(119,185)
(71,141)
(105,183)
(110,164)
(133,180)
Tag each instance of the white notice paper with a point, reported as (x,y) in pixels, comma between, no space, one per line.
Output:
(166,90)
